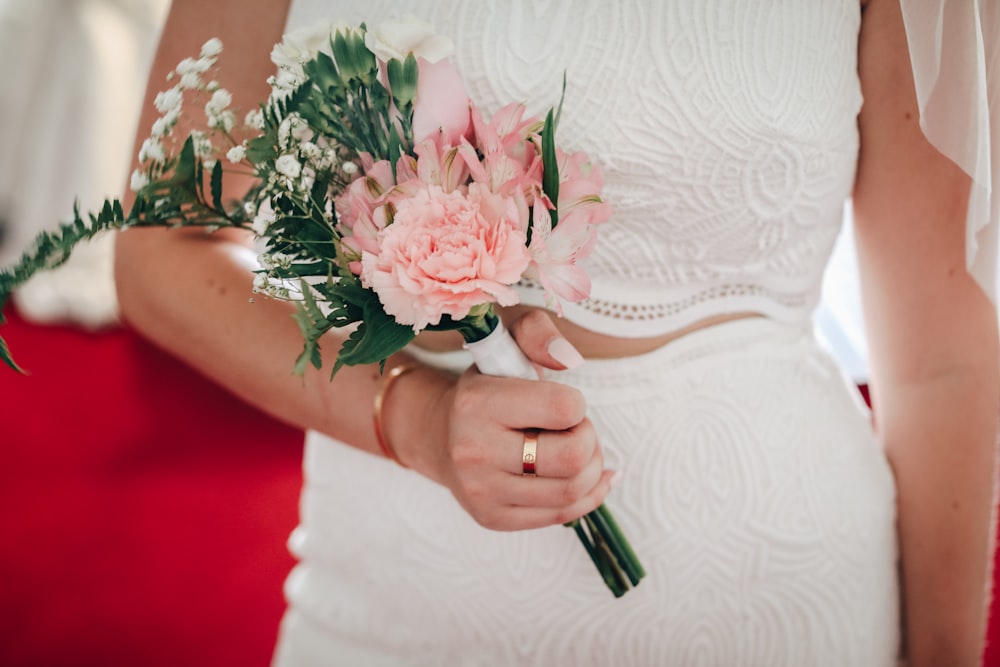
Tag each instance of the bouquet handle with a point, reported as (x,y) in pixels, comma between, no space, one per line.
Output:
(498,354)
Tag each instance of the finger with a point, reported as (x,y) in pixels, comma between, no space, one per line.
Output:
(519,404)
(557,454)
(552,492)
(537,336)
(527,518)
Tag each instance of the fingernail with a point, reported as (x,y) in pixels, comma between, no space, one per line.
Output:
(617,477)
(563,351)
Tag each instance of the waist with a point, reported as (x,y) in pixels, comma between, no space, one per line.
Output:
(590,344)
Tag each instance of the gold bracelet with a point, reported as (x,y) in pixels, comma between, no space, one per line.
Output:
(394,374)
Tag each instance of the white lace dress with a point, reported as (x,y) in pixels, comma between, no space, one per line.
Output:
(753,490)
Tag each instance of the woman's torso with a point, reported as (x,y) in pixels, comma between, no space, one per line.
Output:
(753,489)
(725,129)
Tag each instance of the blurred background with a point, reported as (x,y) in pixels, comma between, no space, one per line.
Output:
(143,510)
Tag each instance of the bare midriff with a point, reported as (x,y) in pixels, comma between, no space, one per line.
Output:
(590,344)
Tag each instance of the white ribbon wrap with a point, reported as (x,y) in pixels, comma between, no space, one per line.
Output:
(498,354)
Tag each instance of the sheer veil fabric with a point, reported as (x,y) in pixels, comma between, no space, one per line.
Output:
(955,52)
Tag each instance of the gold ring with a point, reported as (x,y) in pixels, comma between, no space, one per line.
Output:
(528,453)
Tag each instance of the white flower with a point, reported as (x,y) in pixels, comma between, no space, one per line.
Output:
(405,35)
(236,154)
(221,99)
(302,45)
(275,260)
(171,116)
(152,149)
(260,282)
(287,165)
(203,147)
(139,181)
(190,81)
(310,151)
(308,178)
(169,100)
(212,48)
(255,119)
(160,127)
(194,66)
(293,127)
(224,120)
(265,216)
(349,168)
(215,110)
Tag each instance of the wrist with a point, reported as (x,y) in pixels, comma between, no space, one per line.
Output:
(378,422)
(414,422)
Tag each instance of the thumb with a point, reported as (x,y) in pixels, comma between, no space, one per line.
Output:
(537,336)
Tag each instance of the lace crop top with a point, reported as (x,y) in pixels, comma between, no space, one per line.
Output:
(726,131)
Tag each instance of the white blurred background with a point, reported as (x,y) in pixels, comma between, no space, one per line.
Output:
(69,104)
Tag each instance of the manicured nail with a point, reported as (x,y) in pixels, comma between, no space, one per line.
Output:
(562,351)
(617,477)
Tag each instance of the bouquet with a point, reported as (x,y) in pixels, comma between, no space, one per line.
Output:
(385,201)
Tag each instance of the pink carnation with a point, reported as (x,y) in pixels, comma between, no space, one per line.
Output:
(446,253)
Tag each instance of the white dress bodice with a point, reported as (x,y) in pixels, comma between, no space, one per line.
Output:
(726,131)
(753,489)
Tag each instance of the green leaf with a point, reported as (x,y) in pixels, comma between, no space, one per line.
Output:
(346,66)
(5,355)
(185,170)
(50,249)
(550,166)
(562,98)
(323,73)
(377,338)
(217,185)
(395,149)
(313,325)
(402,76)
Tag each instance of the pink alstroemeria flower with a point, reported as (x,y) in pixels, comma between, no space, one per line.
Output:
(441,108)
(556,252)
(360,211)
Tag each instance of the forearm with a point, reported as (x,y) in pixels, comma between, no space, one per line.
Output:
(191,293)
(940,437)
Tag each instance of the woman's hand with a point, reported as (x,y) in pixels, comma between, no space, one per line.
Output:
(473,434)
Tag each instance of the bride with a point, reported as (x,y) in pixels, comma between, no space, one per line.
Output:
(779,522)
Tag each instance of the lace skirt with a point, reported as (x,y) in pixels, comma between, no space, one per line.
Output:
(754,493)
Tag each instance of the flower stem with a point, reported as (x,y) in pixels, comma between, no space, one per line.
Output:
(600,559)
(611,566)
(622,550)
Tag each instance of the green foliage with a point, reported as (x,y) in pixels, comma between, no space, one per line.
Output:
(348,110)
(217,186)
(376,337)
(550,166)
(5,355)
(51,249)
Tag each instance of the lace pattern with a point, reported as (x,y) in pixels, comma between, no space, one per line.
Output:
(727,181)
(733,496)
(727,133)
